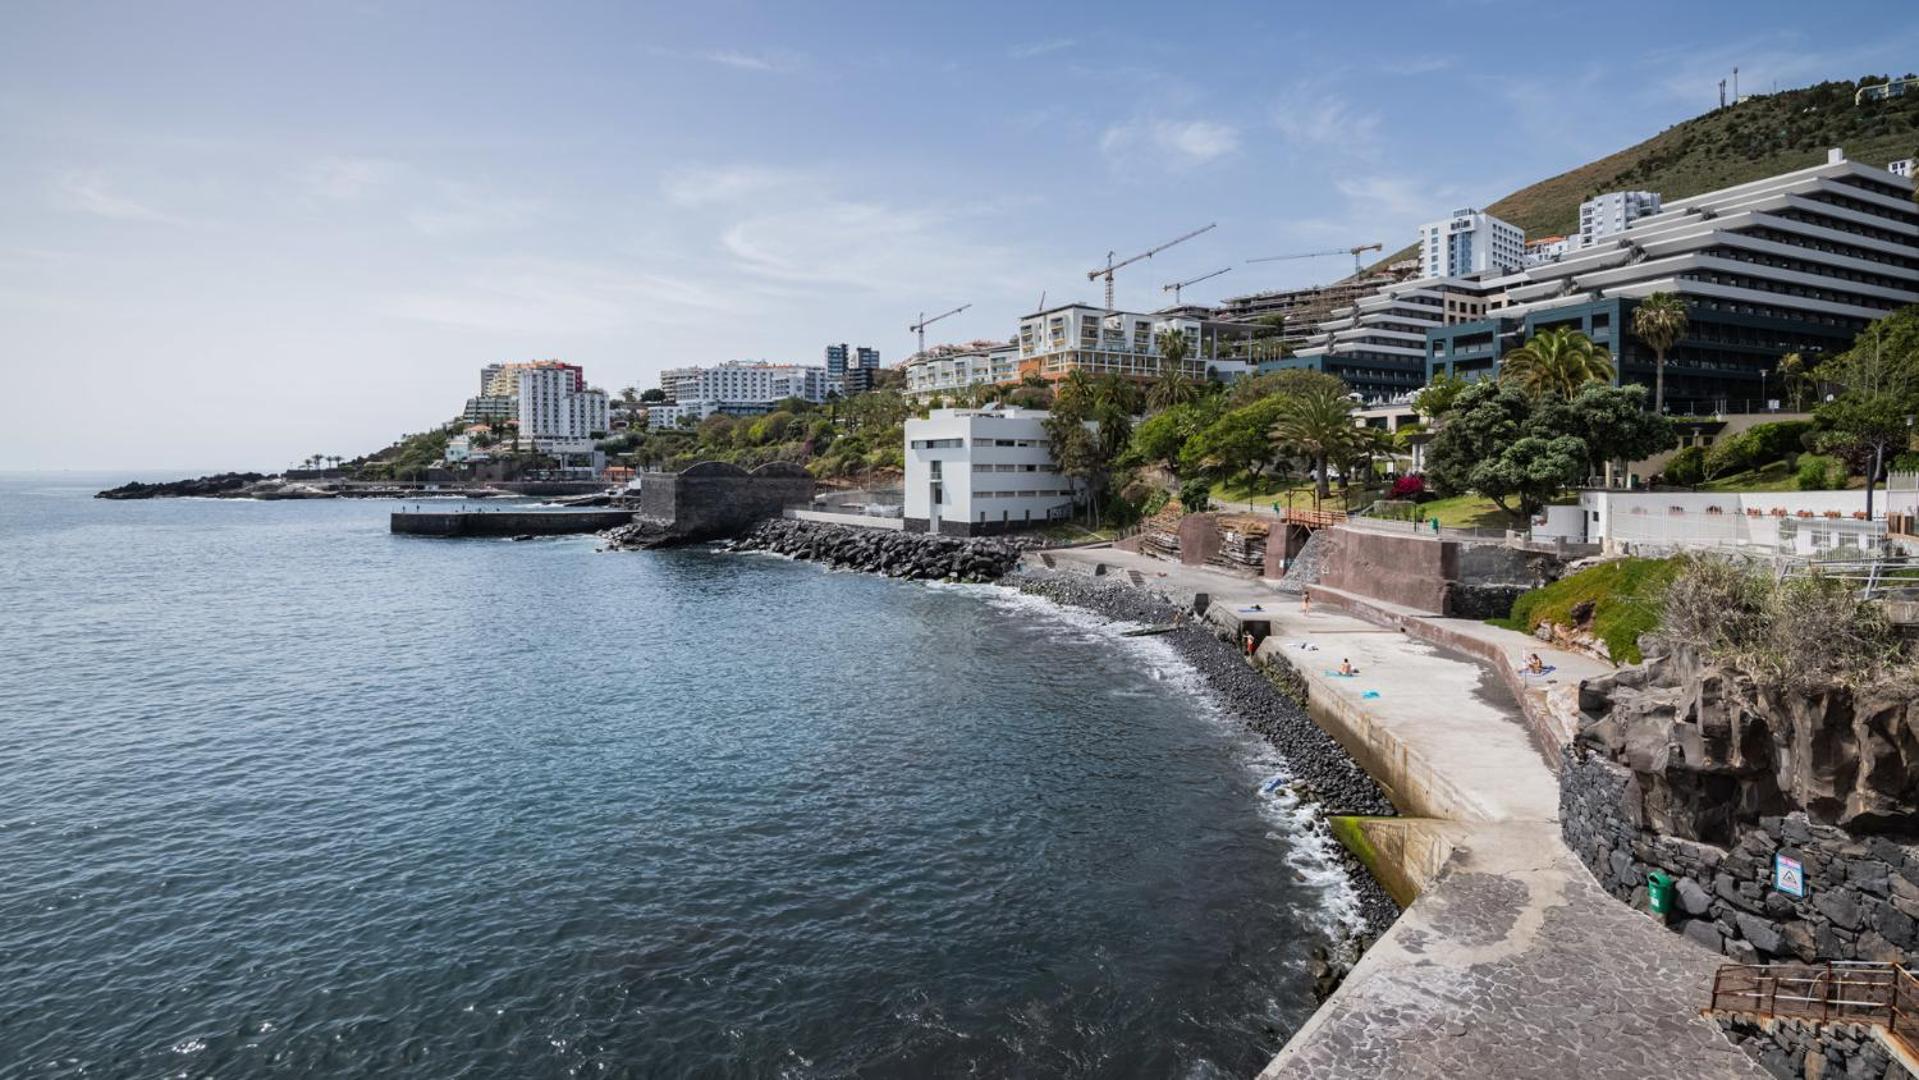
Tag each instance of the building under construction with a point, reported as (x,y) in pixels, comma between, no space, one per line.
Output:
(1304,308)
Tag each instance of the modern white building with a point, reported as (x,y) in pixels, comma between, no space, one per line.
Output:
(962,369)
(986,470)
(1549,248)
(1614,212)
(1902,167)
(745,381)
(558,416)
(1057,341)
(1470,242)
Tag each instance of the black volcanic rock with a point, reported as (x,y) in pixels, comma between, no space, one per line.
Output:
(215,485)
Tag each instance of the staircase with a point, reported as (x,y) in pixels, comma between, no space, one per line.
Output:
(1881,997)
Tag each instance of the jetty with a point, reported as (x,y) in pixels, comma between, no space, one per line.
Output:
(490,522)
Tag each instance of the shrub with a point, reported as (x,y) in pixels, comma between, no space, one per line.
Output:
(1820,472)
(1407,487)
(1756,446)
(1196,496)
(1154,502)
(1906,463)
(1617,601)
(1687,468)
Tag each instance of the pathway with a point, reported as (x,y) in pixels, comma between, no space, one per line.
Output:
(1513,962)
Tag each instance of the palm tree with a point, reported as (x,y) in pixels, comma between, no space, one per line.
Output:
(1074,393)
(1172,387)
(1659,321)
(1557,362)
(1795,375)
(1319,424)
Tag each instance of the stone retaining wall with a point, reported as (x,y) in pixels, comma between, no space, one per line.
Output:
(1802,1050)
(1862,892)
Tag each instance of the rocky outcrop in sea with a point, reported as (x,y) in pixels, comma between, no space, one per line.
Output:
(219,484)
(918,556)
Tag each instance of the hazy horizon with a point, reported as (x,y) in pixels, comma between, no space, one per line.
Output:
(236,235)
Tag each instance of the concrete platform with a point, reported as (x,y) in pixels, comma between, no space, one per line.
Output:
(1512,961)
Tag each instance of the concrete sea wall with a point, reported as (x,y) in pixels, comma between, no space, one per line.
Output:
(506,522)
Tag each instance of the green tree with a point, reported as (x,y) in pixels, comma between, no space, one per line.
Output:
(1492,446)
(1436,399)
(1237,443)
(1871,418)
(1161,437)
(1611,420)
(1172,387)
(1319,425)
(649,396)
(1295,381)
(1660,321)
(1556,363)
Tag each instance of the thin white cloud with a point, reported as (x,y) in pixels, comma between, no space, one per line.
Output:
(345,179)
(93,193)
(1180,143)
(559,298)
(1040,48)
(712,186)
(753,61)
(459,209)
(1310,118)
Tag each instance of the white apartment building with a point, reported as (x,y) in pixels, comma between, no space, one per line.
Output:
(986,470)
(1055,342)
(558,416)
(1549,248)
(947,373)
(1470,242)
(745,381)
(1614,212)
(1902,167)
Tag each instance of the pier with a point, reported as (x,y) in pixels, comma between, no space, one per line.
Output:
(505,522)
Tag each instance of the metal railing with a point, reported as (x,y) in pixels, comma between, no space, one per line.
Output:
(1837,992)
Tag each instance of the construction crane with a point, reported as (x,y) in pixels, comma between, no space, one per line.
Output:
(1353,251)
(1107,270)
(920,327)
(1176,286)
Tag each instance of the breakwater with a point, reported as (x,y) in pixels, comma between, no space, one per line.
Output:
(505,522)
(918,556)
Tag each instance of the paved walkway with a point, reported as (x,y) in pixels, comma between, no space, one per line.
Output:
(1513,962)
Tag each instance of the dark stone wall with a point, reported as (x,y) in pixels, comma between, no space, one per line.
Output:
(1862,892)
(1404,570)
(714,499)
(1802,1050)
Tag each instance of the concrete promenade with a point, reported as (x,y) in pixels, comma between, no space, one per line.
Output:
(1512,962)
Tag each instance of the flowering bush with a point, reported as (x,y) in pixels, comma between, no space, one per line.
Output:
(1409,487)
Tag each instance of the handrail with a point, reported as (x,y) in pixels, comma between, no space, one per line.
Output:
(1837,991)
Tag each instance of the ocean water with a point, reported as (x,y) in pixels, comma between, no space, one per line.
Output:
(284,795)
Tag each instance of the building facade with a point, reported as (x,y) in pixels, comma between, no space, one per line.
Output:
(558,416)
(836,356)
(745,381)
(1080,337)
(1470,242)
(503,380)
(487,409)
(971,472)
(1379,344)
(961,370)
(1799,262)
(1614,212)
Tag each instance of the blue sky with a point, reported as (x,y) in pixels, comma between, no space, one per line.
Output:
(232,235)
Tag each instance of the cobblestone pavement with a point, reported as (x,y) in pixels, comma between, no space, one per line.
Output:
(1515,964)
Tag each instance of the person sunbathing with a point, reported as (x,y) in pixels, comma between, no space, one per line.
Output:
(1347,669)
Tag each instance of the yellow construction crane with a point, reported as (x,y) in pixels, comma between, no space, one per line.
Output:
(1353,251)
(920,327)
(1107,270)
(1176,286)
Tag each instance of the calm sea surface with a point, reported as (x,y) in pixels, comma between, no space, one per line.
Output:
(281,794)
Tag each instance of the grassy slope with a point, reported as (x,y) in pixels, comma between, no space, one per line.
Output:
(1761,136)
(1625,594)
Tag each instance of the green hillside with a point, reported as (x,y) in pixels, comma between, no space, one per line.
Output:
(1759,137)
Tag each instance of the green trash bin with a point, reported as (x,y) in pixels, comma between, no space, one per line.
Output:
(1659,892)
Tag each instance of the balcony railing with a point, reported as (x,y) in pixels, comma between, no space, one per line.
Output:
(1838,992)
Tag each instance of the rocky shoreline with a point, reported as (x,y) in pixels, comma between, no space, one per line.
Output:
(1322,771)
(915,556)
(219,485)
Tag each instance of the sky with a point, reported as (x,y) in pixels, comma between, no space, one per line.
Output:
(236,234)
